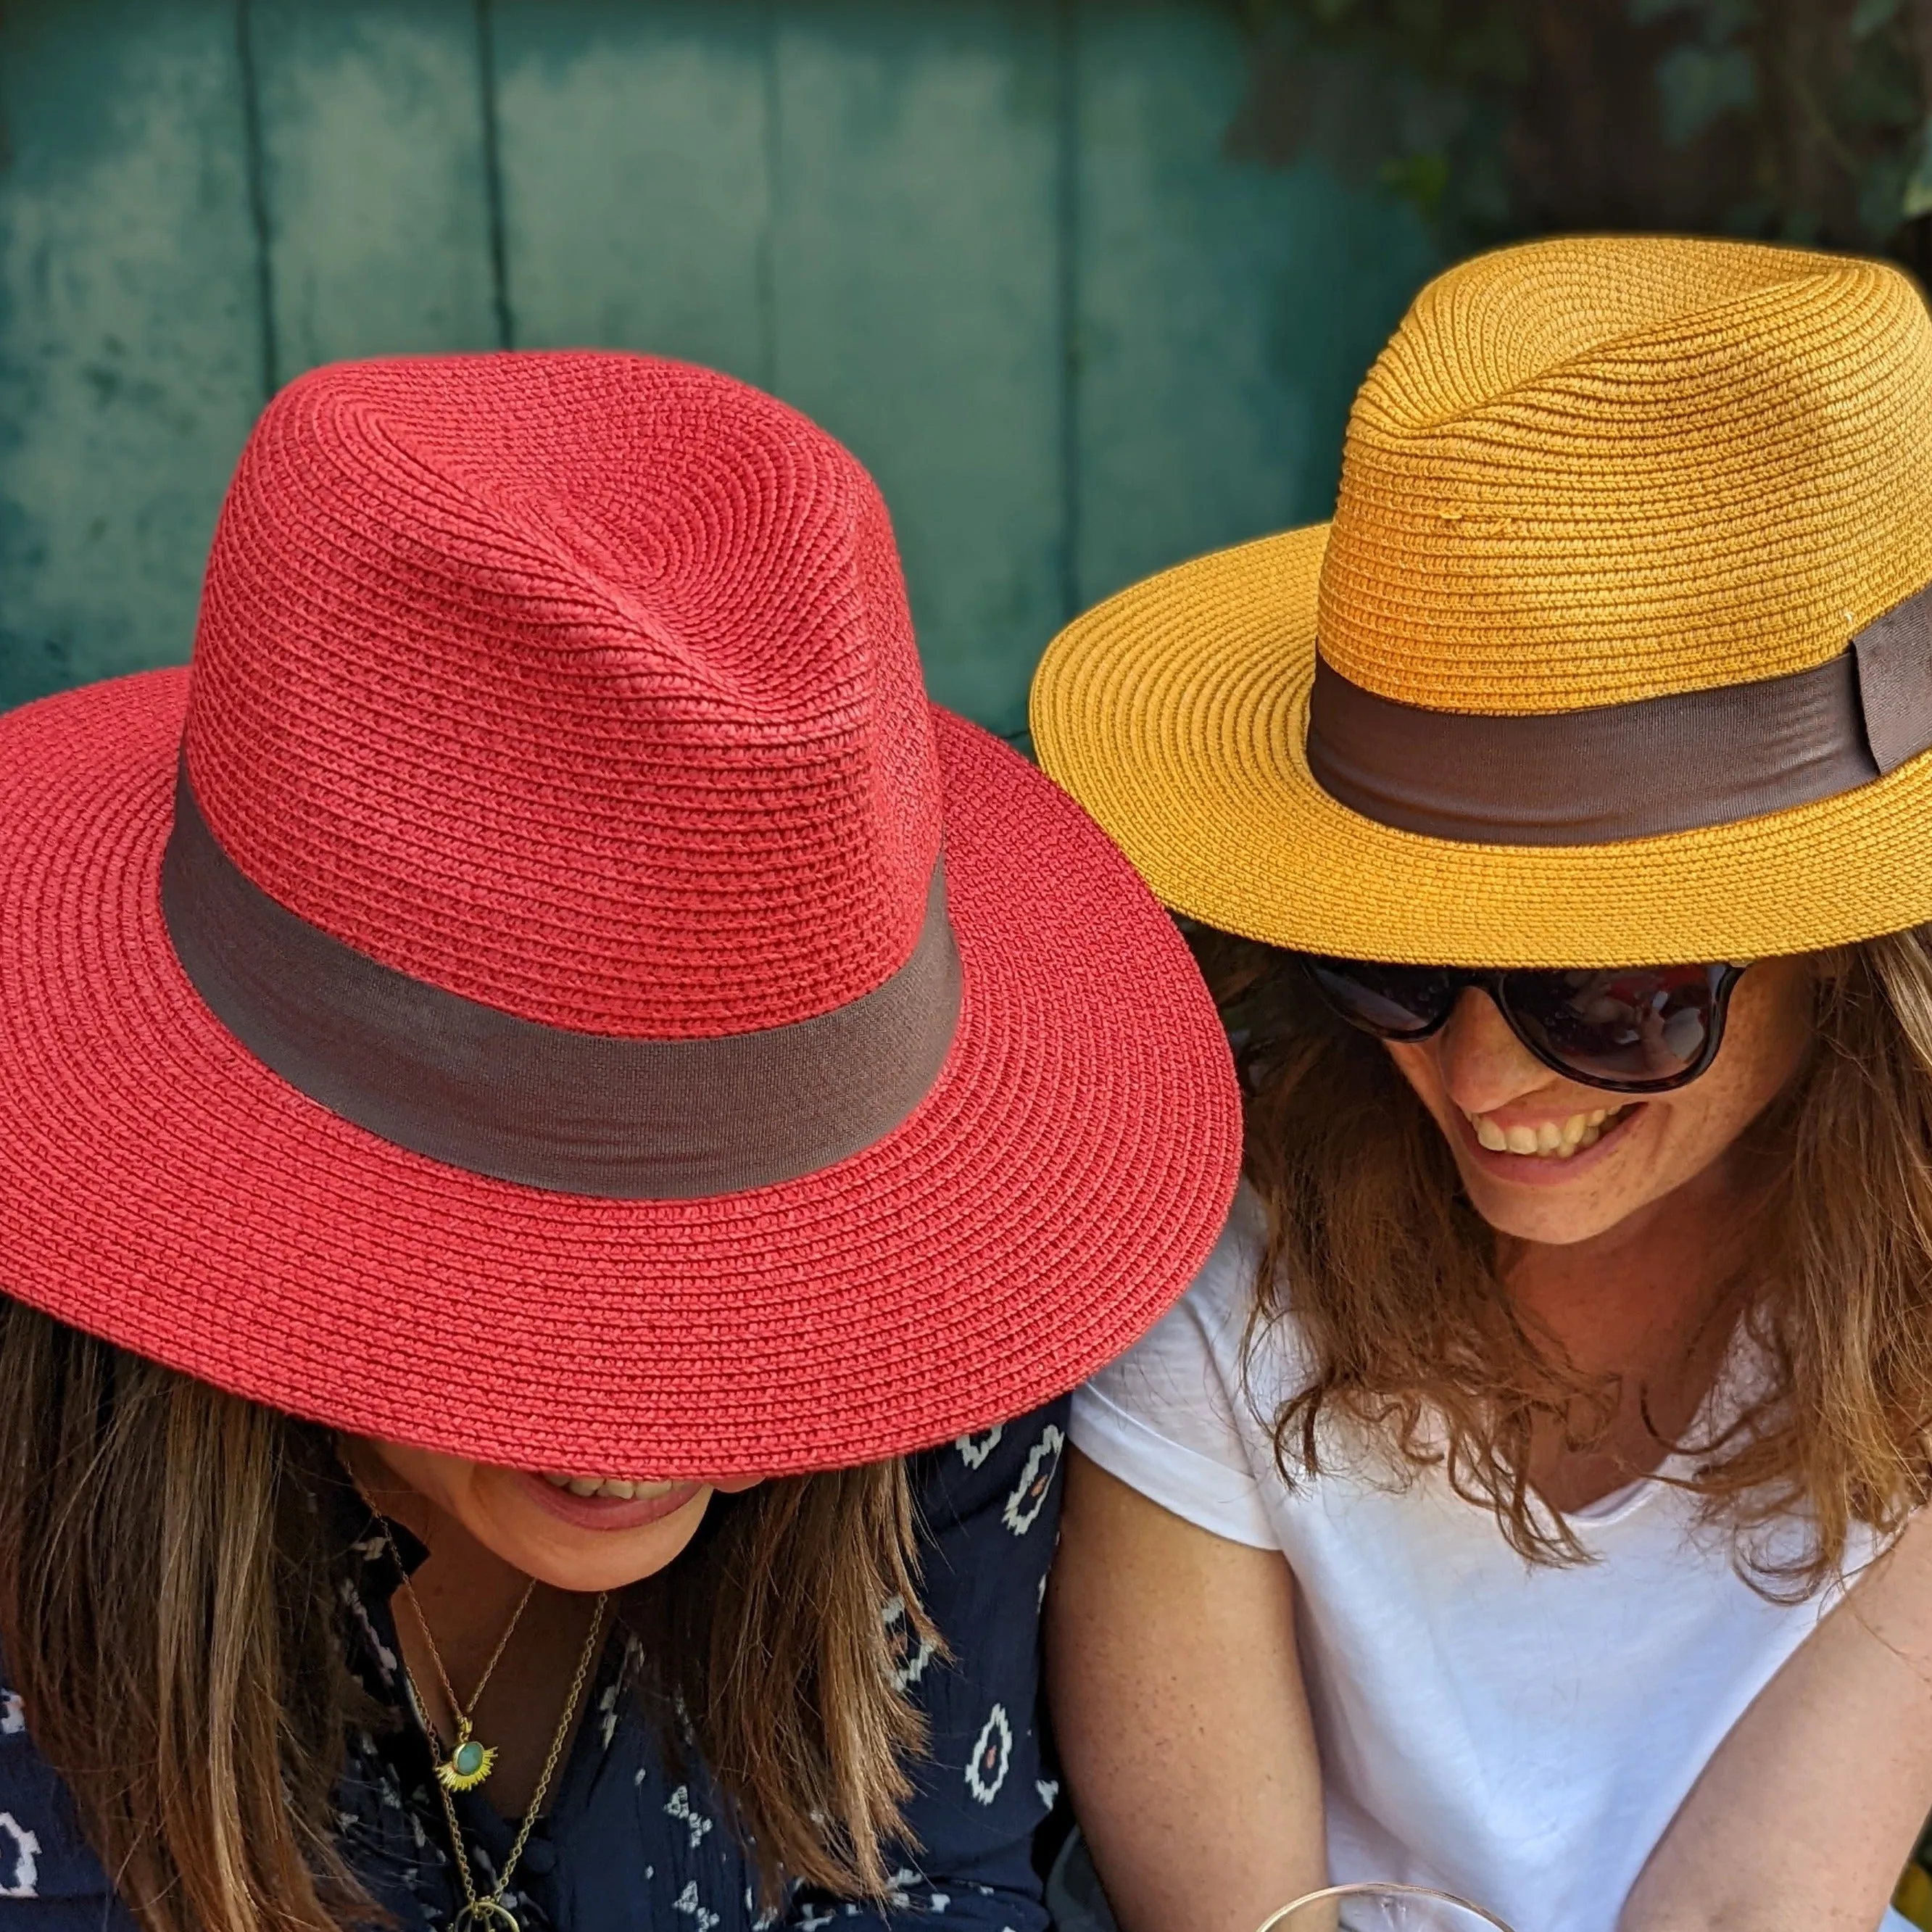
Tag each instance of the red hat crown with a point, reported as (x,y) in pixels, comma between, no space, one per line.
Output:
(582,685)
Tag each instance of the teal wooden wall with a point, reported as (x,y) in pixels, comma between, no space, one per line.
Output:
(996,245)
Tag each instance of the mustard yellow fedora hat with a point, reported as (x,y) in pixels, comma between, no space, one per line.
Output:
(1618,651)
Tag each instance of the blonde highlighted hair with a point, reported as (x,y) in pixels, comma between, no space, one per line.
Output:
(169,1614)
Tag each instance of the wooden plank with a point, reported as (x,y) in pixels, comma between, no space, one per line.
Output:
(916,289)
(636,176)
(374,178)
(130,336)
(1225,313)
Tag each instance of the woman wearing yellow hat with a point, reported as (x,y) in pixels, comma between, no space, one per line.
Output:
(1559,822)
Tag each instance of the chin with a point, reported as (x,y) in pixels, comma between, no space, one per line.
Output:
(1549,1221)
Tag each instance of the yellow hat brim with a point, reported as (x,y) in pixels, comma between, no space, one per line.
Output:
(1177,713)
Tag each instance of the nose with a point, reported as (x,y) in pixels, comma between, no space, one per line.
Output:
(1484,1066)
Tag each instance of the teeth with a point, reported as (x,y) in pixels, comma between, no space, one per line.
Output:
(610,1486)
(1558,1138)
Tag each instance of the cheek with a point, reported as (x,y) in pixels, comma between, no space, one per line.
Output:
(444,1481)
(1766,1040)
(1417,1066)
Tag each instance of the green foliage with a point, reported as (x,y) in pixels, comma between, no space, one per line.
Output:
(1801,120)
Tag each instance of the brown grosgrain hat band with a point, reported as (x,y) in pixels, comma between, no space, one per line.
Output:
(1628,771)
(580,1113)
(1615,650)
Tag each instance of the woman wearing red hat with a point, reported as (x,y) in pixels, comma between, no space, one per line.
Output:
(1501,1510)
(538,1081)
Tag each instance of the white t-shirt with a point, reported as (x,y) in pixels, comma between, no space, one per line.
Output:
(1519,1735)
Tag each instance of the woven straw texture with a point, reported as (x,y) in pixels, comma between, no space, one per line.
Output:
(640,750)
(592,677)
(1583,472)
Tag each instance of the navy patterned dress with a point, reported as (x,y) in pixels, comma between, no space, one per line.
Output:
(627,1844)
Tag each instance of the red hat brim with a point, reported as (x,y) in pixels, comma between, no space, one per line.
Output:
(1052,1196)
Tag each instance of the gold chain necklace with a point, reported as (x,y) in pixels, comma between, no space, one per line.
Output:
(470,1762)
(491,1914)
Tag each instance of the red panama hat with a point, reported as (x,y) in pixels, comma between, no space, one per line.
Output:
(508,995)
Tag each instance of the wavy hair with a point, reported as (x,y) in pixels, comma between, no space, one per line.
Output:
(169,1614)
(1400,1288)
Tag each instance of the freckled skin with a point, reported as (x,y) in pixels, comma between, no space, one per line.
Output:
(1475,1065)
(1623,1252)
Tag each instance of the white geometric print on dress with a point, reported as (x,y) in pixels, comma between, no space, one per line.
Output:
(23,1883)
(1049,1789)
(992,1756)
(974,1450)
(680,1806)
(686,1901)
(1024,1505)
(13,1713)
(811,1919)
(909,1659)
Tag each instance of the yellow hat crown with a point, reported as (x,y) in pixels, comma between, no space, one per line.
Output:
(1589,471)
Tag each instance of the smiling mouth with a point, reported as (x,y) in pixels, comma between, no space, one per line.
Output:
(609,1486)
(1548,1140)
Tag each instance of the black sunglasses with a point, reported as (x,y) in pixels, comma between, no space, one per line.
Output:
(1627,1029)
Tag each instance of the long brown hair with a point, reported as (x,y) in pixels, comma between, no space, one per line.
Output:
(168,1615)
(1399,1287)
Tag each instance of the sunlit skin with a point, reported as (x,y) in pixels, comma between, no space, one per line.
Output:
(1628,1246)
(489,1531)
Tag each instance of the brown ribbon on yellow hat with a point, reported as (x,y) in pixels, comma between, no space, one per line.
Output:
(1615,772)
(448,1077)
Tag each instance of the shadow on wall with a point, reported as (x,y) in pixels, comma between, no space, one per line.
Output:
(998,246)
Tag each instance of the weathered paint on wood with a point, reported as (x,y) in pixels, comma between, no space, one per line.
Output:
(996,245)
(916,296)
(373,183)
(130,328)
(636,174)
(1225,314)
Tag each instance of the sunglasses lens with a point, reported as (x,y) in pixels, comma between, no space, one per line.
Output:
(1647,1026)
(1391,1002)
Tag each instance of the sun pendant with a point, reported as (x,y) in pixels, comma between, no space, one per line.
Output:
(468,1764)
(485,1914)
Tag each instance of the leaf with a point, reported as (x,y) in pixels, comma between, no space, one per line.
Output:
(1881,196)
(1724,20)
(1698,84)
(1719,22)
(1917,198)
(1422,180)
(1868,16)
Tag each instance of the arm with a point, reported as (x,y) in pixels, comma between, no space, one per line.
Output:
(1180,1713)
(1806,1813)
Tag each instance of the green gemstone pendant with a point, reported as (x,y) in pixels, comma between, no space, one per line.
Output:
(468,1764)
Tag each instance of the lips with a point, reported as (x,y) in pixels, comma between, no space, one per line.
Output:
(597,1503)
